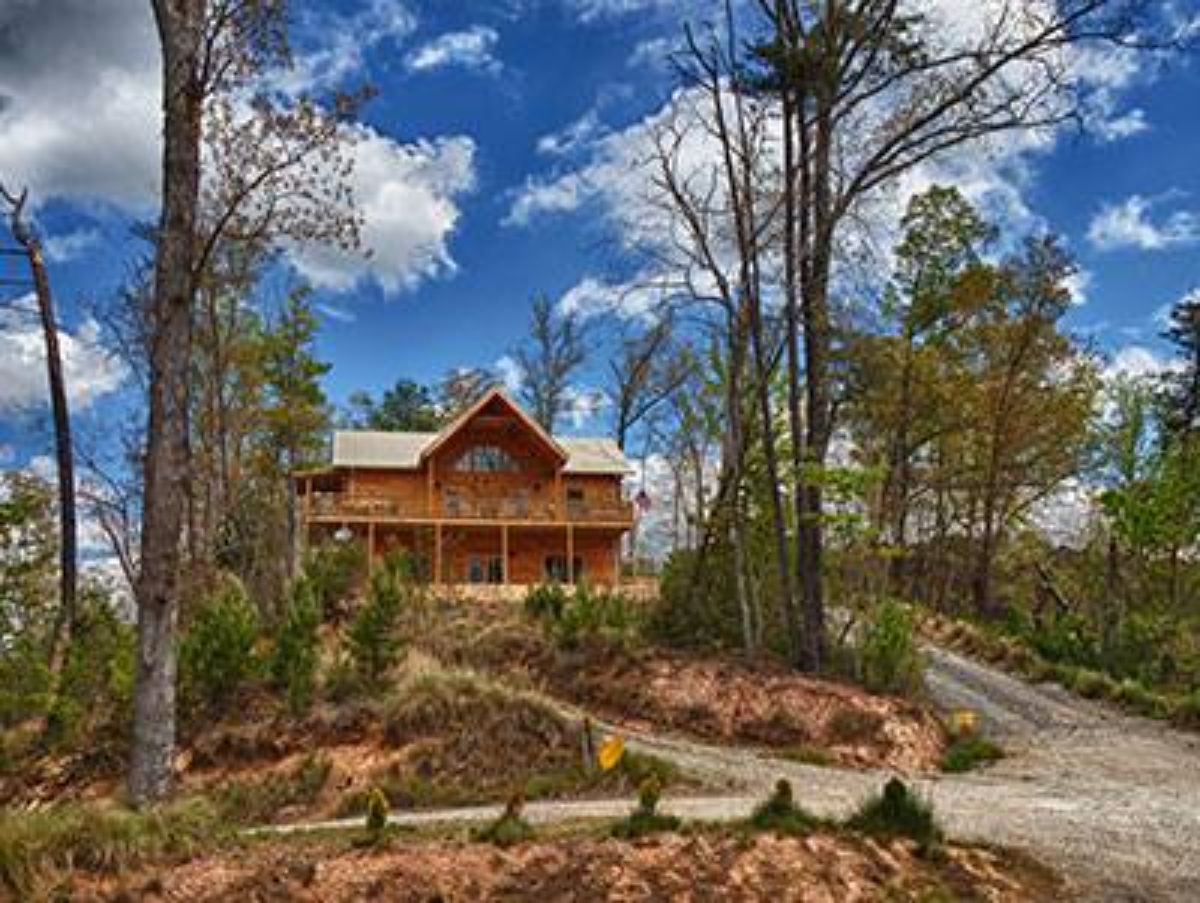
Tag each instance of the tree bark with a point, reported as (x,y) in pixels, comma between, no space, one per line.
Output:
(67,616)
(181,28)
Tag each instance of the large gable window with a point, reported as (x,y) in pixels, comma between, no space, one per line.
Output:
(487,459)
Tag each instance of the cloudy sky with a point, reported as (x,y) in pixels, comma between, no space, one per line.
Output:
(494,165)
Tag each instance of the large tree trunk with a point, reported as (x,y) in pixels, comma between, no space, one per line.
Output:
(180,28)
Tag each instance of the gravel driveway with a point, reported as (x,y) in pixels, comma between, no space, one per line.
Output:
(1112,800)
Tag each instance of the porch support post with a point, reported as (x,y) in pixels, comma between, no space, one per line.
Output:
(437,553)
(370,545)
(617,561)
(571,553)
(504,554)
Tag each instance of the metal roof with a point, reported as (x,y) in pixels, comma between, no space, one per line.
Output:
(367,448)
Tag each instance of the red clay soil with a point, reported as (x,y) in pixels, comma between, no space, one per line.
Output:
(821,867)
(711,697)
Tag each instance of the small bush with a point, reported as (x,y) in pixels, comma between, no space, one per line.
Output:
(645,819)
(969,752)
(891,662)
(377,815)
(779,813)
(1186,710)
(509,829)
(216,656)
(586,614)
(546,601)
(95,690)
(898,812)
(294,658)
(334,571)
(26,685)
(372,638)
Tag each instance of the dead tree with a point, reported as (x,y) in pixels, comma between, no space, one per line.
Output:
(67,615)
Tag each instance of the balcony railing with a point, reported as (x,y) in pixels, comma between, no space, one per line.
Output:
(338,505)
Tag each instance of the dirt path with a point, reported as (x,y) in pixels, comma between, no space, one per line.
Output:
(1112,800)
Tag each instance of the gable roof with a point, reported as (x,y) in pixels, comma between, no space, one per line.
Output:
(495,394)
(406,451)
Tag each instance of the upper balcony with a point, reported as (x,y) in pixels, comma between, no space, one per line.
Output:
(334,507)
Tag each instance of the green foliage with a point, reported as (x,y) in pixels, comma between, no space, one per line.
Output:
(898,812)
(406,406)
(509,829)
(546,601)
(294,658)
(216,656)
(890,660)
(28,546)
(696,609)
(334,570)
(645,819)
(971,751)
(373,639)
(26,684)
(375,822)
(37,847)
(95,691)
(780,813)
(585,615)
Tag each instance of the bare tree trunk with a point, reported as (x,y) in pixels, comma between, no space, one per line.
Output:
(181,29)
(67,616)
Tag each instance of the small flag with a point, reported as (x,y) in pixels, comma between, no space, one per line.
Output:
(642,500)
(610,753)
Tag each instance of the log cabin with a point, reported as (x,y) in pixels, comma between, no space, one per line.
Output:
(492,498)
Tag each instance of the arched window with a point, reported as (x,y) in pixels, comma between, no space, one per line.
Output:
(487,459)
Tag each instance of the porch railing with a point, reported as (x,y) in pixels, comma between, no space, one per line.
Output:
(335,505)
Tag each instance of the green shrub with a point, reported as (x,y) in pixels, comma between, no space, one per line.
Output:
(1186,710)
(294,659)
(547,601)
(891,662)
(373,638)
(969,752)
(216,656)
(335,570)
(38,846)
(376,820)
(510,828)
(898,812)
(95,691)
(645,819)
(1091,684)
(779,813)
(585,614)
(26,685)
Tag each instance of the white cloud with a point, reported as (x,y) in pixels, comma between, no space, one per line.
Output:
(79,100)
(339,314)
(471,48)
(89,370)
(1078,284)
(331,48)
(572,137)
(1129,224)
(90,131)
(1137,362)
(653,53)
(408,197)
(8,453)
(61,248)
(510,373)
(583,405)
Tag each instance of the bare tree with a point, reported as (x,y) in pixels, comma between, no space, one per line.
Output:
(31,246)
(643,373)
(553,353)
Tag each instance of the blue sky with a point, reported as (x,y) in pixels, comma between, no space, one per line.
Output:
(495,168)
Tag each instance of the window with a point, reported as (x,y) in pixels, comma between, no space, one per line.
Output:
(556,569)
(487,459)
(485,569)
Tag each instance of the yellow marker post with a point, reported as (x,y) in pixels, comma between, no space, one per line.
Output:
(610,753)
